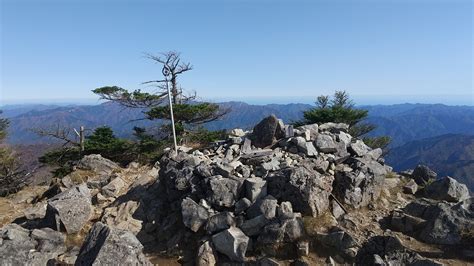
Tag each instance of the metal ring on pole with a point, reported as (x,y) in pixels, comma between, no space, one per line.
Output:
(165,71)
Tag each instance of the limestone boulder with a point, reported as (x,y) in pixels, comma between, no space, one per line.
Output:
(70,209)
(232,242)
(448,189)
(306,190)
(109,246)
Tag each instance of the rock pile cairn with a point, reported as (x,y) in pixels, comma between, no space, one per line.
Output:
(246,195)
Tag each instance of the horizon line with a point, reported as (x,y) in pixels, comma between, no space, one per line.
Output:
(249,100)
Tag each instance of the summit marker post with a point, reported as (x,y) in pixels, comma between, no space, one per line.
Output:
(166,72)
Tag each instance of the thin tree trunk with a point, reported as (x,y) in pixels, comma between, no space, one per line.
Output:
(174,90)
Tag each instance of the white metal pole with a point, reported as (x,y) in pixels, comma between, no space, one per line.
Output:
(172,119)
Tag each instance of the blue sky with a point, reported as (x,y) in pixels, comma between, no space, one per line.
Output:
(259,51)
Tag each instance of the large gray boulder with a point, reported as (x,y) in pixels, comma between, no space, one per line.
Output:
(448,224)
(361,185)
(357,188)
(232,243)
(280,237)
(20,246)
(406,223)
(437,222)
(108,246)
(71,209)
(389,250)
(267,132)
(447,189)
(123,216)
(339,240)
(194,215)
(422,174)
(307,190)
(97,164)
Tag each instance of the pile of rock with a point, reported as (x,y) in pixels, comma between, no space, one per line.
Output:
(445,214)
(246,196)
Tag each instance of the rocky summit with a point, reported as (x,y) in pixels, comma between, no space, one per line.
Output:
(276,195)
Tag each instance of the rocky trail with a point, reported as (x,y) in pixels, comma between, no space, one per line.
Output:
(278,195)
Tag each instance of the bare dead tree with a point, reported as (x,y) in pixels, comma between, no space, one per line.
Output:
(172,68)
(62,133)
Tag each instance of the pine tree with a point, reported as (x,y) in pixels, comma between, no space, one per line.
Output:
(188,113)
(102,141)
(11,178)
(341,109)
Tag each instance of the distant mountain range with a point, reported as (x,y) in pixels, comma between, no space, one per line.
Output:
(435,134)
(451,154)
(408,122)
(402,122)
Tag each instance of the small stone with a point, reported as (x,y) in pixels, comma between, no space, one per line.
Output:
(289,132)
(330,261)
(345,138)
(313,131)
(411,187)
(303,248)
(254,226)
(268,262)
(447,189)
(219,222)
(242,205)
(378,260)
(422,174)
(359,148)
(206,255)
(38,211)
(334,127)
(255,188)
(325,144)
(310,150)
(266,206)
(285,211)
(113,188)
(375,153)
(194,215)
(237,132)
(247,146)
(336,210)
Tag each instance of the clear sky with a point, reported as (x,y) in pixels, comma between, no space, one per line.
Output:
(379,51)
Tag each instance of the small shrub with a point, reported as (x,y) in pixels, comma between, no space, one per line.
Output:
(391,175)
